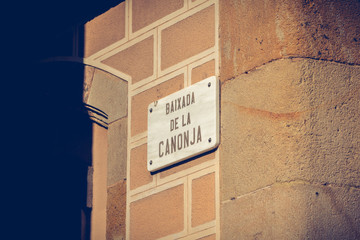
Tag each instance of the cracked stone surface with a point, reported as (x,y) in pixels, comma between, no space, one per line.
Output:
(290,129)
(256,32)
(290,119)
(296,210)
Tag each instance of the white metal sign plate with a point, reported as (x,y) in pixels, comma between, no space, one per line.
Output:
(183,124)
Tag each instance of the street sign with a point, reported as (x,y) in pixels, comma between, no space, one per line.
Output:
(183,124)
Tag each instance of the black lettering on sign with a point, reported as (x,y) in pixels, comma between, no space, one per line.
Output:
(193,136)
(186,139)
(173,144)
(167,151)
(161,153)
(180,103)
(185,120)
(198,134)
(180,141)
(174,124)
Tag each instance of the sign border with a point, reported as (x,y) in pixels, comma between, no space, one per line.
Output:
(212,144)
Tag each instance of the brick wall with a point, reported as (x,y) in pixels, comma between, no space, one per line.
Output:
(158,47)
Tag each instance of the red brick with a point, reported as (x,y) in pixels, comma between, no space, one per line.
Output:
(203,71)
(158,215)
(139,175)
(188,37)
(105,30)
(211,237)
(145,12)
(188,164)
(132,59)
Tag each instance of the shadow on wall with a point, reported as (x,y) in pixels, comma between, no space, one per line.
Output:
(50,151)
(44,167)
(70,140)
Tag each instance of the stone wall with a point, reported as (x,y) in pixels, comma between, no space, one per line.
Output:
(105,96)
(289,154)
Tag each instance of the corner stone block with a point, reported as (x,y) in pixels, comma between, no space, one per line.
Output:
(320,29)
(256,32)
(292,119)
(88,78)
(145,12)
(188,37)
(104,30)
(141,101)
(293,211)
(139,175)
(109,94)
(132,59)
(158,215)
(203,200)
(248,36)
(117,151)
(255,109)
(116,211)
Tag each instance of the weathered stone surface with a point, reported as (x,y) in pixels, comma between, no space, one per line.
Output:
(290,119)
(88,77)
(109,94)
(147,12)
(294,210)
(89,187)
(255,32)
(117,151)
(99,202)
(116,211)
(158,215)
